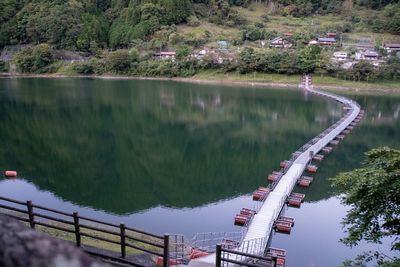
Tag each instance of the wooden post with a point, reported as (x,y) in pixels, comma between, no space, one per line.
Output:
(77,229)
(218,256)
(123,244)
(30,214)
(166,251)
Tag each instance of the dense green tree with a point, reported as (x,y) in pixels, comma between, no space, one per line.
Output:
(364,71)
(63,24)
(372,192)
(9,8)
(183,52)
(2,66)
(88,25)
(248,60)
(175,11)
(308,58)
(120,61)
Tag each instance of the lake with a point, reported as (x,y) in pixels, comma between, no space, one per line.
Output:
(171,157)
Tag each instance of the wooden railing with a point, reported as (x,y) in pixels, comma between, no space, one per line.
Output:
(107,234)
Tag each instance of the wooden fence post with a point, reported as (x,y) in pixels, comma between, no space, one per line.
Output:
(77,229)
(30,214)
(123,244)
(166,251)
(218,256)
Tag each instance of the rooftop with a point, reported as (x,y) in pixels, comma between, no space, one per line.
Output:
(332,40)
(369,53)
(392,45)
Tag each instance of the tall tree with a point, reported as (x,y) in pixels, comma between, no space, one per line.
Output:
(373,193)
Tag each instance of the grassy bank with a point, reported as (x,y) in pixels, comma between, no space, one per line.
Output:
(259,79)
(325,82)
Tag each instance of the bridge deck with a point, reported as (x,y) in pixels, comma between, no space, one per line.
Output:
(256,238)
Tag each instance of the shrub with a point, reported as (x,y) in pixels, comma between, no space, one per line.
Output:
(120,61)
(3,67)
(83,68)
(193,21)
(34,59)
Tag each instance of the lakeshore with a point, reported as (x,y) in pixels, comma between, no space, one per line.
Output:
(235,79)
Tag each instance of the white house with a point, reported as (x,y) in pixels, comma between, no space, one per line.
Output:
(281,42)
(165,55)
(340,56)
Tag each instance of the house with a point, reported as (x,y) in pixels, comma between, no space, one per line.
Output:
(326,41)
(369,55)
(281,42)
(348,65)
(204,52)
(217,56)
(331,34)
(223,45)
(340,56)
(391,47)
(165,55)
(313,42)
(224,56)
(287,34)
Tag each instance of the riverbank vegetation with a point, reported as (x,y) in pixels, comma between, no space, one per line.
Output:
(122,37)
(372,194)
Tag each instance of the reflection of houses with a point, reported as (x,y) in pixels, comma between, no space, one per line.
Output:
(165,55)
(281,42)
(391,47)
(204,103)
(381,119)
(167,98)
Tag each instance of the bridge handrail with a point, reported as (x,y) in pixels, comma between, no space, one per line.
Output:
(344,101)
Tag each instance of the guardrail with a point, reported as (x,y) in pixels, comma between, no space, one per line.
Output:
(115,235)
(223,258)
(208,240)
(242,249)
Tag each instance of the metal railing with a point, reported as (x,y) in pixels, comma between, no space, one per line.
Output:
(208,240)
(225,256)
(118,236)
(245,245)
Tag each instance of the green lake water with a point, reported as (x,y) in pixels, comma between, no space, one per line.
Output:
(180,157)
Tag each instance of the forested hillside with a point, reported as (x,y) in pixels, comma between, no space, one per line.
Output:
(236,36)
(87,25)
